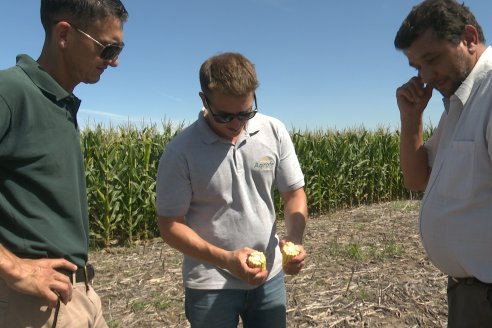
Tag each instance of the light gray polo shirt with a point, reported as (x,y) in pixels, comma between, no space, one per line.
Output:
(456,212)
(224,191)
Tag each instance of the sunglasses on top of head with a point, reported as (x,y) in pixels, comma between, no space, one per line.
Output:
(227,117)
(109,51)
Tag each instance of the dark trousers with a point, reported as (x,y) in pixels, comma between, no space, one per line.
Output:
(469,303)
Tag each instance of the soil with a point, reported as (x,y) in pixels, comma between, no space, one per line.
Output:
(365,268)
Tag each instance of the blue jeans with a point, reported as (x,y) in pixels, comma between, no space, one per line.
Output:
(264,306)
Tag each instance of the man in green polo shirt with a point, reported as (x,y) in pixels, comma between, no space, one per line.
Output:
(44,275)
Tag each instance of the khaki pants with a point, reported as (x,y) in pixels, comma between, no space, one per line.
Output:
(22,311)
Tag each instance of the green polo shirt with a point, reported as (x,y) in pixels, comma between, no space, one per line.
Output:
(43,201)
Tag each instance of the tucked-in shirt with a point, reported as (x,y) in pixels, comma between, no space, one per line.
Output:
(456,211)
(43,202)
(224,191)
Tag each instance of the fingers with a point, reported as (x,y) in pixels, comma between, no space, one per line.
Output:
(51,297)
(64,264)
(38,278)
(282,243)
(58,264)
(54,286)
(414,94)
(412,91)
(295,265)
(58,289)
(63,290)
(253,276)
(260,277)
(256,276)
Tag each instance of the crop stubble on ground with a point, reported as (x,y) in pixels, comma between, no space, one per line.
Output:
(365,268)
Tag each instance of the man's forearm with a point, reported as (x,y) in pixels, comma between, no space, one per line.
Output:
(413,157)
(296,214)
(179,236)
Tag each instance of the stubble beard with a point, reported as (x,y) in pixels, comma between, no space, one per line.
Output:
(462,72)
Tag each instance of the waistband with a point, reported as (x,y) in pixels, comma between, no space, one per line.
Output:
(83,274)
(469,281)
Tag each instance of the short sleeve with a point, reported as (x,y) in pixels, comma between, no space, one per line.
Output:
(173,184)
(289,176)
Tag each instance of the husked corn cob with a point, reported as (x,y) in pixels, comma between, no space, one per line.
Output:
(257,260)
(289,251)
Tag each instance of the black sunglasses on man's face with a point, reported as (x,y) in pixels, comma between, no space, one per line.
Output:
(109,51)
(227,117)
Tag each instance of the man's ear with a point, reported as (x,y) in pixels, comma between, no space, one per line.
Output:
(60,33)
(204,101)
(470,38)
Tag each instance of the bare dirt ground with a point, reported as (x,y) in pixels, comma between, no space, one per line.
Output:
(366,268)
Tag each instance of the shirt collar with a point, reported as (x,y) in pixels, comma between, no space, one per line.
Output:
(47,84)
(473,80)
(208,134)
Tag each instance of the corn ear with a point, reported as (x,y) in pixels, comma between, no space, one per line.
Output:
(289,251)
(257,260)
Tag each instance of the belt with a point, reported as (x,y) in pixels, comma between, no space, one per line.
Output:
(469,281)
(83,274)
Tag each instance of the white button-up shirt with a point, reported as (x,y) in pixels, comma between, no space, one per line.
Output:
(456,212)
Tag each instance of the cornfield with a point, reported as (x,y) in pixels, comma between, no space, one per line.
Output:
(342,169)
(121,167)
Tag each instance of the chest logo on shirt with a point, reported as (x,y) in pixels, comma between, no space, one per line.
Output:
(264,164)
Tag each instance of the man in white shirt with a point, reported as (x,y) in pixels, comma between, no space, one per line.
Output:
(444,43)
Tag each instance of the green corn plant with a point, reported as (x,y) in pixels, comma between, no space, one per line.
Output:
(342,168)
(104,196)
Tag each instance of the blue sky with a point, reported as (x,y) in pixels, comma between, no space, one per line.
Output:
(322,64)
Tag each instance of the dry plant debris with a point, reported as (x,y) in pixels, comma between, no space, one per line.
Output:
(365,268)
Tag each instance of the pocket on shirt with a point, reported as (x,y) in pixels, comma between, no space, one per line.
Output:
(456,177)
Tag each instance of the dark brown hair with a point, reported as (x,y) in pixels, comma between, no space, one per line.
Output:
(447,18)
(80,12)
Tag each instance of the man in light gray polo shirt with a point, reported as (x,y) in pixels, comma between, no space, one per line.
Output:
(446,45)
(215,204)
